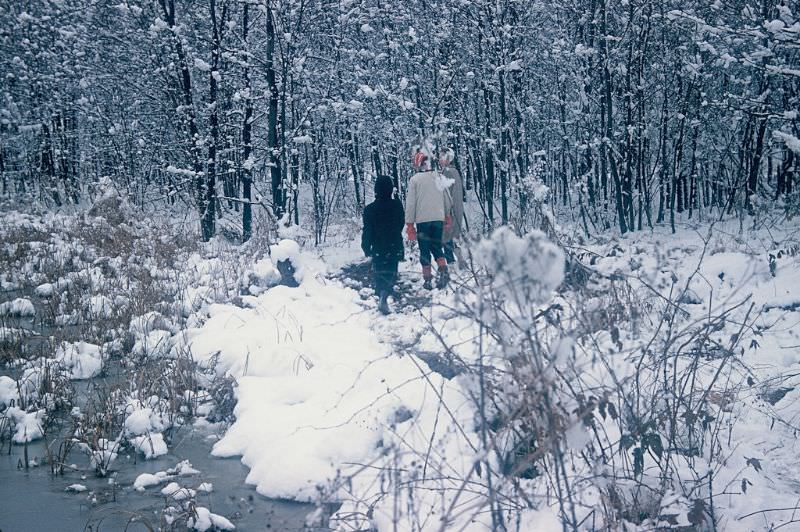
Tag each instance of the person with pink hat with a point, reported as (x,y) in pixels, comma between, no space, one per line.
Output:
(427,208)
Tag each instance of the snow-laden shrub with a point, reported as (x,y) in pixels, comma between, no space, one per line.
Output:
(286,255)
(506,423)
(205,520)
(260,277)
(523,271)
(110,204)
(596,405)
(8,391)
(26,402)
(27,426)
(102,454)
(151,445)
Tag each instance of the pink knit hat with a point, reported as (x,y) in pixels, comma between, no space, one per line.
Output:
(418,159)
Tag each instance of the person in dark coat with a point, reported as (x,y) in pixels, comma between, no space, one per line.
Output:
(382,238)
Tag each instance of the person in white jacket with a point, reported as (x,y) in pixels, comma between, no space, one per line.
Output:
(427,214)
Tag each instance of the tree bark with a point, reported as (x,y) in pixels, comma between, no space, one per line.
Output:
(168,7)
(278,199)
(246,166)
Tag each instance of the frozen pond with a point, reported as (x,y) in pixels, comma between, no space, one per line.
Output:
(37,500)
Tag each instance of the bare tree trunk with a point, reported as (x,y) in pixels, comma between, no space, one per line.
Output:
(168,7)
(354,168)
(376,160)
(295,173)
(489,160)
(691,199)
(246,167)
(784,174)
(609,123)
(755,166)
(208,222)
(278,199)
(677,175)
(504,143)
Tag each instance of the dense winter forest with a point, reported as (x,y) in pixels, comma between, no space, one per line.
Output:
(183,189)
(631,112)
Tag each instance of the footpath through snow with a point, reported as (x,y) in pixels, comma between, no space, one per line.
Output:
(324,392)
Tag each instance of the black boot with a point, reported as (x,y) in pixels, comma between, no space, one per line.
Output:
(443,278)
(383,305)
(428,284)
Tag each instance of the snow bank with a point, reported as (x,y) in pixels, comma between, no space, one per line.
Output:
(81,359)
(151,445)
(20,307)
(204,520)
(324,401)
(316,388)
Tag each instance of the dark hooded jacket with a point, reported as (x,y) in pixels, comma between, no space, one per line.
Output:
(382,236)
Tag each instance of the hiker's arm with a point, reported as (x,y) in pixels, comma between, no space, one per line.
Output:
(411,202)
(399,217)
(366,235)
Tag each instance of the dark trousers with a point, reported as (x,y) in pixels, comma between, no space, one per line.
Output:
(429,236)
(384,274)
(450,251)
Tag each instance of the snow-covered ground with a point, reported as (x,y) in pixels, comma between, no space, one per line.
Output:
(739,291)
(667,365)
(332,399)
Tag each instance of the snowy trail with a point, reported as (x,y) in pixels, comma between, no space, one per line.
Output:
(323,388)
(332,396)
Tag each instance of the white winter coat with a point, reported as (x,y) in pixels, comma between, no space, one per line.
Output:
(427,198)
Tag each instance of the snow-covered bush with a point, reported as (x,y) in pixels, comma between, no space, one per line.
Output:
(614,392)
(28,401)
(20,307)
(601,402)
(520,272)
